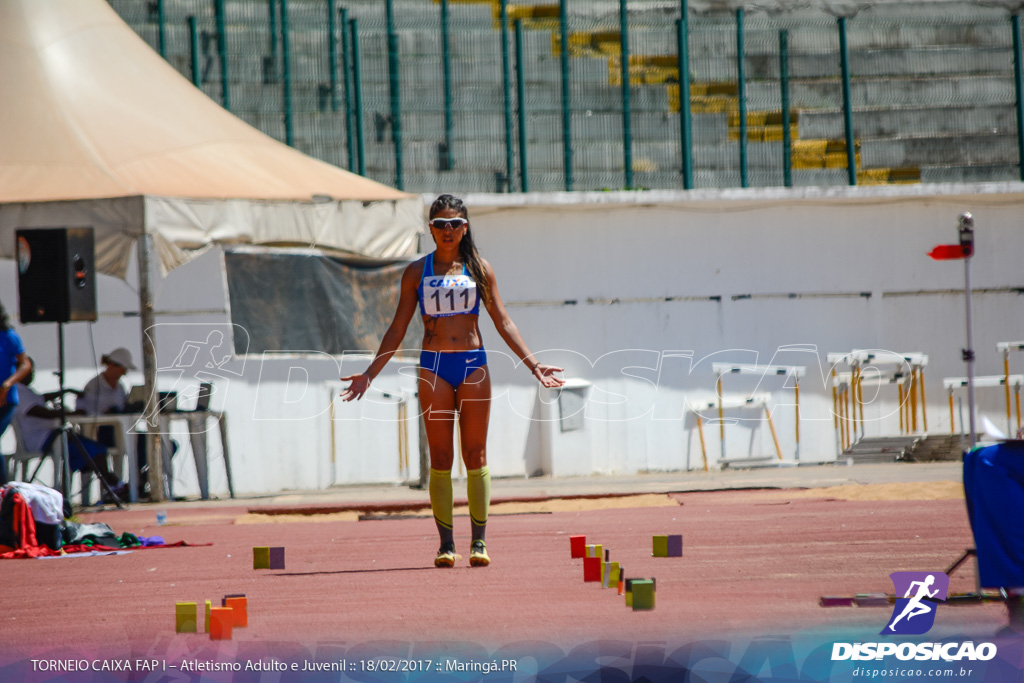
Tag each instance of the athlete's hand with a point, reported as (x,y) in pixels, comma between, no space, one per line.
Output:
(545,374)
(355,391)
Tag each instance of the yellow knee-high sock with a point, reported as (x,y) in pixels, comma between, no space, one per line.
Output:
(441,503)
(478,491)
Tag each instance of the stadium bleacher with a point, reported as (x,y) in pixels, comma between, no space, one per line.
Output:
(932,87)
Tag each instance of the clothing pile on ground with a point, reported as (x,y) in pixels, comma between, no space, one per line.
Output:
(33,524)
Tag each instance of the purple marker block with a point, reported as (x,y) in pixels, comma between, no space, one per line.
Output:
(277,558)
(675,545)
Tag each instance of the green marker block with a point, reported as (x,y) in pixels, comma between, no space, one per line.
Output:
(643,594)
(660,546)
(261,557)
(185,617)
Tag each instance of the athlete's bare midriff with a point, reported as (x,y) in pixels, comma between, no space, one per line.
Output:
(451,333)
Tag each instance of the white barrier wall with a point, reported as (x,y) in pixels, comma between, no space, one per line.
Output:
(636,295)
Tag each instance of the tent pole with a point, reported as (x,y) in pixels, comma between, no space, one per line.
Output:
(146,308)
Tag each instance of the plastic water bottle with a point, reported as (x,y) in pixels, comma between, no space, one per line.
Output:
(161,517)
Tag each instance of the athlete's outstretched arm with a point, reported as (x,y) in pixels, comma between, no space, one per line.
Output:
(392,338)
(545,374)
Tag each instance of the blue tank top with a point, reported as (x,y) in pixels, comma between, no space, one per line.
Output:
(441,296)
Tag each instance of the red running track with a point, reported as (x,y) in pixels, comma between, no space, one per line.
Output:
(754,564)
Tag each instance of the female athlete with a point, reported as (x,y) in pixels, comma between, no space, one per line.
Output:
(448,286)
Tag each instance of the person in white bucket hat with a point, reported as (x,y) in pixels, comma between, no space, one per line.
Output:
(104,393)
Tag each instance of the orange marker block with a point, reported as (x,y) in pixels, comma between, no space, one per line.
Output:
(221,619)
(240,611)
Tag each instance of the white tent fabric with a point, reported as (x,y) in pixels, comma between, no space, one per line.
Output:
(98,130)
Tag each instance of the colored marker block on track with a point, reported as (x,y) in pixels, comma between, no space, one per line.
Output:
(206,623)
(185,617)
(591,569)
(261,557)
(577,546)
(610,577)
(221,620)
(643,594)
(675,545)
(277,558)
(660,546)
(239,610)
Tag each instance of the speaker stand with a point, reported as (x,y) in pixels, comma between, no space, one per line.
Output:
(67,433)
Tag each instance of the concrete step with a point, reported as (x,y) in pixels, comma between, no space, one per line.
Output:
(891,121)
(966,149)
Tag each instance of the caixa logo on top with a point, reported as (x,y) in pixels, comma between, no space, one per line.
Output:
(914,615)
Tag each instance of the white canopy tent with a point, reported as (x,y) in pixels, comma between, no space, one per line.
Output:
(97,130)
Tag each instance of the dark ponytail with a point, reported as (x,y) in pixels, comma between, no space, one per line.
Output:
(467,249)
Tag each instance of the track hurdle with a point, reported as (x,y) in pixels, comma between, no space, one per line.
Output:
(758,401)
(908,376)
(1006,348)
(786,371)
(953,383)
(847,394)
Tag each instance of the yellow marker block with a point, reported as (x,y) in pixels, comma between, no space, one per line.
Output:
(206,626)
(660,546)
(185,617)
(611,575)
(261,557)
(643,594)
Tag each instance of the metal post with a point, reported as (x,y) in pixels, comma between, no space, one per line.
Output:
(154,455)
(446,65)
(357,86)
(627,129)
(222,51)
(1018,83)
(563,27)
(742,96)
(721,417)
(161,27)
(193,34)
(524,181)
(272,11)
(851,150)
(787,142)
(332,51)
(685,119)
(1006,385)
(65,460)
(394,88)
(507,91)
(796,400)
(346,68)
(968,353)
(286,63)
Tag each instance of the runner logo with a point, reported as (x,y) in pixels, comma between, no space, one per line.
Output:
(914,613)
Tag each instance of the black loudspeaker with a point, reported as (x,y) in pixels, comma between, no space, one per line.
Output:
(56,275)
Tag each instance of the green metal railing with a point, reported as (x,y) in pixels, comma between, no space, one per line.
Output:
(934,98)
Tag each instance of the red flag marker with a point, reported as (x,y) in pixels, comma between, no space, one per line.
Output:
(950,252)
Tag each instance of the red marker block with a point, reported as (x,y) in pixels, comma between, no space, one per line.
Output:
(577,546)
(240,610)
(592,569)
(221,619)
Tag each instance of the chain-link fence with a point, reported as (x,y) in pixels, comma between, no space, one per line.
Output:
(437,96)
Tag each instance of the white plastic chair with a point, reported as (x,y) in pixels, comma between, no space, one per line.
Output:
(24,456)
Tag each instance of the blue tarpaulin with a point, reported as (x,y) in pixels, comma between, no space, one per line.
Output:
(994,487)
